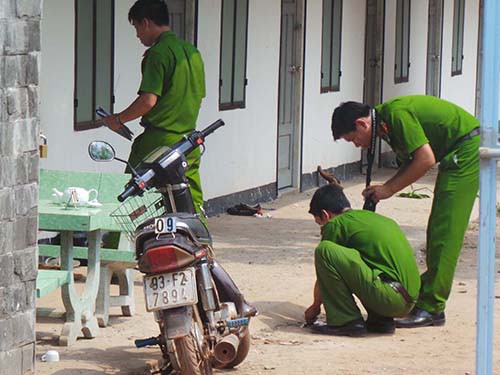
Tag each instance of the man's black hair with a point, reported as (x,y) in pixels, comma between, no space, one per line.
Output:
(345,116)
(154,10)
(331,198)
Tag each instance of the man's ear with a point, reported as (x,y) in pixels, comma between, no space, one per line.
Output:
(362,123)
(146,23)
(325,215)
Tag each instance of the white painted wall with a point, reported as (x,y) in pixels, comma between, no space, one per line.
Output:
(318,145)
(241,155)
(418,50)
(68,149)
(461,89)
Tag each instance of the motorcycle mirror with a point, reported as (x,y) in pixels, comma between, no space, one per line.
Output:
(101,151)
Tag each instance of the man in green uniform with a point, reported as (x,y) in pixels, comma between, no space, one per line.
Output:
(423,130)
(169,99)
(170,93)
(361,253)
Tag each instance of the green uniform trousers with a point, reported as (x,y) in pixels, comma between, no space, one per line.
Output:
(341,272)
(456,189)
(152,138)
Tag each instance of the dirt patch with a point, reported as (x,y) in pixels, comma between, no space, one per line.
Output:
(271,260)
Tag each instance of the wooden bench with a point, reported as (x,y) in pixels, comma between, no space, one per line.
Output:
(119,262)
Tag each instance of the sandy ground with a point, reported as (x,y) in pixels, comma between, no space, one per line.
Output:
(271,259)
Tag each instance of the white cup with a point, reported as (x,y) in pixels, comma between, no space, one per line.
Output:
(50,356)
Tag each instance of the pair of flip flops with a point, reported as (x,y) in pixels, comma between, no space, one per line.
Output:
(243,209)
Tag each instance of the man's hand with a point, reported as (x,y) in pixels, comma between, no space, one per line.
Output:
(377,192)
(112,122)
(312,313)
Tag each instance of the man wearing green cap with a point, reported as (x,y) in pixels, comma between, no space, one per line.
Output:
(423,130)
(170,93)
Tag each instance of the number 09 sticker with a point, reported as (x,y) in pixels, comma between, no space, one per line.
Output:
(165,225)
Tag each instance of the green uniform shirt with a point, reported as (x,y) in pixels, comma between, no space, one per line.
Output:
(413,121)
(173,70)
(380,242)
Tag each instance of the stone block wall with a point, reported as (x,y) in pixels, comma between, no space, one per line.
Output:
(19,126)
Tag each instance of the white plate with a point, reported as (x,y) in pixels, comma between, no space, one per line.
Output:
(169,290)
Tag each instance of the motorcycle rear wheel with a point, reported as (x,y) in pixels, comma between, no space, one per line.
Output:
(189,357)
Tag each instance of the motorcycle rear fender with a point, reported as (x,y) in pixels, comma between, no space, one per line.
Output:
(178,321)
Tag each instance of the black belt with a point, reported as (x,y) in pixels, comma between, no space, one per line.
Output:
(398,287)
(467,136)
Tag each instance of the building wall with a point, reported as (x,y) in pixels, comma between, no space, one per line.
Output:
(19,123)
(318,145)
(242,155)
(460,89)
(247,130)
(418,50)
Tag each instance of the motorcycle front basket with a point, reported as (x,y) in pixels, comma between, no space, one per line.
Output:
(136,210)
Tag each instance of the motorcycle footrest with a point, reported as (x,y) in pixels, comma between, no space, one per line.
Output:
(146,342)
(240,322)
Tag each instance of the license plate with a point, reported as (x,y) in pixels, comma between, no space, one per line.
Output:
(170,290)
(165,225)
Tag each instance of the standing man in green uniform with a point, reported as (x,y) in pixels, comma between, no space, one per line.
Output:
(170,93)
(361,253)
(423,130)
(169,99)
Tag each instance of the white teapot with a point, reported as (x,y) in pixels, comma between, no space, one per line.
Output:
(76,196)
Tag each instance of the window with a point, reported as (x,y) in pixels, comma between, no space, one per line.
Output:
(330,45)
(458,38)
(233,54)
(402,63)
(94,50)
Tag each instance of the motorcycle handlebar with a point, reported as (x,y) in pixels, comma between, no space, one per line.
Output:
(211,128)
(138,183)
(129,191)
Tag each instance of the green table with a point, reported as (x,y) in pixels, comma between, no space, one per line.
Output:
(80,316)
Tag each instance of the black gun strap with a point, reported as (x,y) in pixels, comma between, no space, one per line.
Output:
(369,204)
(373,146)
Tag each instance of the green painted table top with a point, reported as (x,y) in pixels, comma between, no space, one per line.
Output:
(56,217)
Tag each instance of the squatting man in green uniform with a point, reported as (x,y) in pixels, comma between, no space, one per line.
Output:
(423,130)
(361,253)
(169,99)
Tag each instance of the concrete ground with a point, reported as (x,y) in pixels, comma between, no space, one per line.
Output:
(271,259)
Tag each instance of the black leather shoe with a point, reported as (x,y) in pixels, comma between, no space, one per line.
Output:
(376,323)
(421,318)
(354,328)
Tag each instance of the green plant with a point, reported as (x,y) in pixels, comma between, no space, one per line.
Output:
(413,193)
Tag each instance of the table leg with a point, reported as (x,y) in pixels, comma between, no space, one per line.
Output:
(80,316)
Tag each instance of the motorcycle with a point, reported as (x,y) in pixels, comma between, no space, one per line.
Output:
(202,316)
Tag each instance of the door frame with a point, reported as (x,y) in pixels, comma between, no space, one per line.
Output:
(297,144)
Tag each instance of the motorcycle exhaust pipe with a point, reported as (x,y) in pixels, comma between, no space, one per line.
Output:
(225,351)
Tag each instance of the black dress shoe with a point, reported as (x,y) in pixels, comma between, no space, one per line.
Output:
(354,328)
(376,323)
(421,318)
